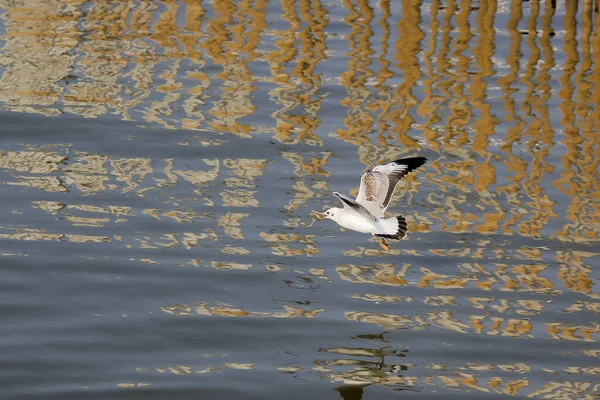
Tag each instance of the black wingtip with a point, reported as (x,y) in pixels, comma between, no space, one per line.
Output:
(412,162)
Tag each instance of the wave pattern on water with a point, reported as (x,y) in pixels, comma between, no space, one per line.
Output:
(161,162)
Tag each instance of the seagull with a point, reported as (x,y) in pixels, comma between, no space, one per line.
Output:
(365,213)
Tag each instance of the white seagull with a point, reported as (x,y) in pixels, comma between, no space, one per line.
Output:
(365,214)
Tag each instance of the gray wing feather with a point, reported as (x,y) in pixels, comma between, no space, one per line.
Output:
(352,204)
(379,183)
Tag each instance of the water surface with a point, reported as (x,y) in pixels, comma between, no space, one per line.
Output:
(161,163)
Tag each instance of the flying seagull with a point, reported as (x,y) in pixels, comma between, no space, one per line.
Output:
(365,213)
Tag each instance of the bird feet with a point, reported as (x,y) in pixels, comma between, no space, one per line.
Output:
(384,244)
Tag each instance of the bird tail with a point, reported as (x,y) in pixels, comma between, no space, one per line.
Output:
(393,228)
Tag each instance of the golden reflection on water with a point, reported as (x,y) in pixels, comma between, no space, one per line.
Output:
(225,310)
(500,95)
(444,82)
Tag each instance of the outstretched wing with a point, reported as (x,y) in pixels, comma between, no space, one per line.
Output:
(378,184)
(353,205)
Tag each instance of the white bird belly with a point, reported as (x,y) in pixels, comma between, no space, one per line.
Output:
(357,222)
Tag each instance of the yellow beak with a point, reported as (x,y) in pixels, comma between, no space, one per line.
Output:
(320,217)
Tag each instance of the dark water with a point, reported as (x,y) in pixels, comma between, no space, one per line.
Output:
(161,163)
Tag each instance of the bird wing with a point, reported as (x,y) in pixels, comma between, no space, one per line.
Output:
(378,184)
(353,205)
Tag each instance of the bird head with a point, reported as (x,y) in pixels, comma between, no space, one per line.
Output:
(332,213)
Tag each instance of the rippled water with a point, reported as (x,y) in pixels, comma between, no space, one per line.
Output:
(161,163)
